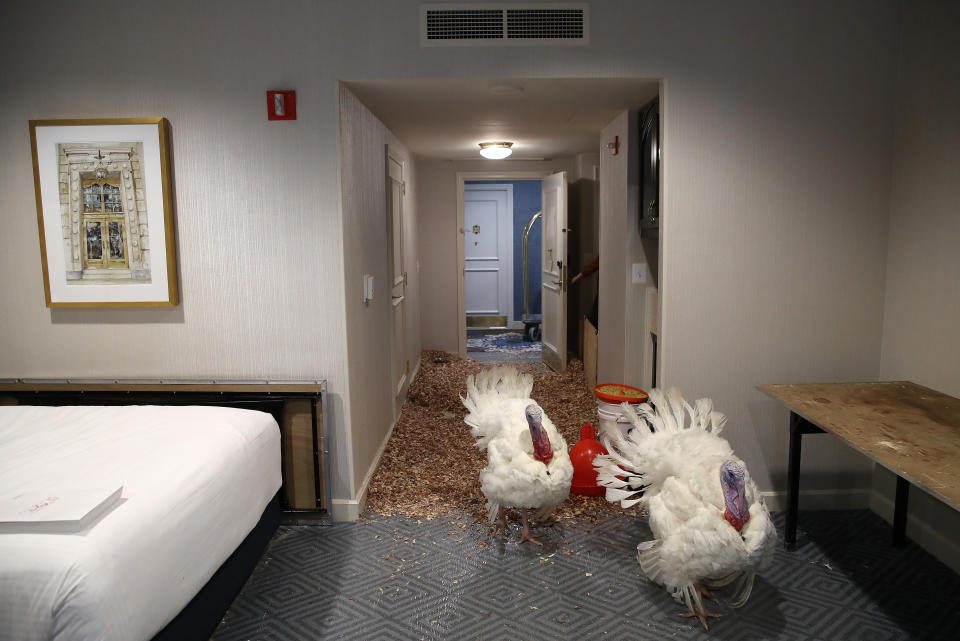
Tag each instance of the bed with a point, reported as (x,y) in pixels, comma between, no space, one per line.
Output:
(198,483)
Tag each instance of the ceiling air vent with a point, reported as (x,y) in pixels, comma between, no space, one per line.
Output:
(490,24)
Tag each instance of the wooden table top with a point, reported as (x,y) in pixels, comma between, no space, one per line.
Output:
(911,430)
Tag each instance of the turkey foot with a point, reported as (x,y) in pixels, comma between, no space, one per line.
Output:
(702,612)
(525,532)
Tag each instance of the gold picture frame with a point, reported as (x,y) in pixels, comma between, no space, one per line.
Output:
(105,212)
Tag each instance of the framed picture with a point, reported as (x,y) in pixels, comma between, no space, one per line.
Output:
(105,212)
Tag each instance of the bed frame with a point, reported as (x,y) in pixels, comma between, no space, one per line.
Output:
(304,498)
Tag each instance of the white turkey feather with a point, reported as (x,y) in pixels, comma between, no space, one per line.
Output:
(670,461)
(496,400)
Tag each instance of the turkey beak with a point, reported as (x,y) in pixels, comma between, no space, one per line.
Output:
(541,442)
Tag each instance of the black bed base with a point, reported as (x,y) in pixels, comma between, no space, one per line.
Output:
(200,618)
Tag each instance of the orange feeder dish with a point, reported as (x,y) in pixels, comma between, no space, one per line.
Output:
(616,393)
(609,397)
(582,455)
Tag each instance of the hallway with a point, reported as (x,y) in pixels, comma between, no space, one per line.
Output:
(431,466)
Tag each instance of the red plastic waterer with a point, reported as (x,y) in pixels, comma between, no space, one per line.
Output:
(582,455)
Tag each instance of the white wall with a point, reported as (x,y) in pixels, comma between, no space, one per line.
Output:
(257,218)
(776,125)
(623,338)
(921,331)
(369,325)
(776,137)
(612,278)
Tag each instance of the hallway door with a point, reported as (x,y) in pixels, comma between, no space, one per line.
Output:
(553,262)
(400,366)
(488,250)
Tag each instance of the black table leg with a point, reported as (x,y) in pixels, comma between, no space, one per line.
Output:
(793,482)
(798,427)
(900,512)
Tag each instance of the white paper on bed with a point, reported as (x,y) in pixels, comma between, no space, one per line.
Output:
(195,481)
(56,509)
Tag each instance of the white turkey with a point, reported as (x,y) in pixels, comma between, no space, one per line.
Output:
(710,526)
(528,466)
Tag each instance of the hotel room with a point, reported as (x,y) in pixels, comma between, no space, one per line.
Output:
(808,191)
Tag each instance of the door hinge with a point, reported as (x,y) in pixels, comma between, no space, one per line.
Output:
(403,188)
(404,279)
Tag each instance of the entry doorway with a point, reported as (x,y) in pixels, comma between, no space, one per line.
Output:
(502,259)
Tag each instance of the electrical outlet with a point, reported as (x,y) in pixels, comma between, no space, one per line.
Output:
(639,273)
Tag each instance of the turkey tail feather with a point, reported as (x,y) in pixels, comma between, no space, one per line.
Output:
(744,589)
(485,390)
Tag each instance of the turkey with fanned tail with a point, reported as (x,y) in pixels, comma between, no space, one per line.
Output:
(528,466)
(710,525)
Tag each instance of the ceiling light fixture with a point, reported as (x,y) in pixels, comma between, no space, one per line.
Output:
(496,150)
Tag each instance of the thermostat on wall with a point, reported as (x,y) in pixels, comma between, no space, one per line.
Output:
(281,105)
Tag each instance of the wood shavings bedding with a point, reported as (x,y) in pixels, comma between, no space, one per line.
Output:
(431,467)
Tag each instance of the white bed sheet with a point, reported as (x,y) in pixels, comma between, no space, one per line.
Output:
(195,482)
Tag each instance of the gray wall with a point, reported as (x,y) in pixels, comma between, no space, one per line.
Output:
(921,331)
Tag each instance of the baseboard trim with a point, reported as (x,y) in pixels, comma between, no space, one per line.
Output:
(856,499)
(351,509)
(943,545)
(344,510)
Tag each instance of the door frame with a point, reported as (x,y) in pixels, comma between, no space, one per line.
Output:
(462,178)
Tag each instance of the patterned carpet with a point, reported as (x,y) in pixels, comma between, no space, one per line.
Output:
(393,578)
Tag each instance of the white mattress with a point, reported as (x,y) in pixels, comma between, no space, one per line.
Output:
(195,482)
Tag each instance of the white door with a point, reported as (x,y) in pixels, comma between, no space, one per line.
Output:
(400,367)
(488,249)
(553,262)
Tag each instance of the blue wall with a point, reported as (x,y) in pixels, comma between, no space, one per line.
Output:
(526,202)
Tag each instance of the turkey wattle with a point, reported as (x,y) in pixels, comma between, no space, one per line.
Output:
(710,526)
(528,466)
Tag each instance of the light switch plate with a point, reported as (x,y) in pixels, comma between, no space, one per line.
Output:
(639,273)
(367,288)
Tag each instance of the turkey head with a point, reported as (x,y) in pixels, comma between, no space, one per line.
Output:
(733,484)
(542,451)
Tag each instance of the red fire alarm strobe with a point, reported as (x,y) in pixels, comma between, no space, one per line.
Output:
(281,105)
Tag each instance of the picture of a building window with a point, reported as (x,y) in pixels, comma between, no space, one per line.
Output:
(106,236)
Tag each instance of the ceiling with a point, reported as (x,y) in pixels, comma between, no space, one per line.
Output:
(545,118)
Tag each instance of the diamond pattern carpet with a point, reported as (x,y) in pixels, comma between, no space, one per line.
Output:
(397,578)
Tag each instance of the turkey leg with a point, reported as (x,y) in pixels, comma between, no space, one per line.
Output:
(525,533)
(500,523)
